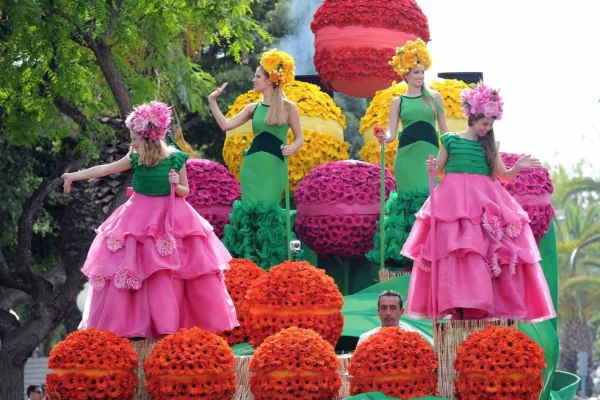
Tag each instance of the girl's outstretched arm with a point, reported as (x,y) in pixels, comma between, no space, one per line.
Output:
(237,120)
(507,175)
(96,172)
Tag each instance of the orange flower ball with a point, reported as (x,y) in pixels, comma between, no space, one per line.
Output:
(499,363)
(237,280)
(294,293)
(396,362)
(94,364)
(191,363)
(295,364)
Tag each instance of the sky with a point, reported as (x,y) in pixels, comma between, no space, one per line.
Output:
(544,56)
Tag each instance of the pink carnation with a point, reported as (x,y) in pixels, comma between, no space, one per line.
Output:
(114,242)
(151,121)
(166,245)
(125,279)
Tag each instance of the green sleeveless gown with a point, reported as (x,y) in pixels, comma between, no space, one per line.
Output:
(257,227)
(418,139)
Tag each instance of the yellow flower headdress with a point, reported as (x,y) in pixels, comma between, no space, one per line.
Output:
(279,65)
(409,56)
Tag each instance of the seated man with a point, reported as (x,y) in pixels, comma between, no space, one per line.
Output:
(389,308)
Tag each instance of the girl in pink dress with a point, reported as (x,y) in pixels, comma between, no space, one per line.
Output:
(155,266)
(487,258)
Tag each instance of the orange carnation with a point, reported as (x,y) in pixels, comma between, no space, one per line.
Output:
(295,363)
(237,280)
(94,364)
(294,293)
(396,362)
(191,363)
(499,362)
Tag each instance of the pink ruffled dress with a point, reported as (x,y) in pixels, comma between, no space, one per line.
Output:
(156,266)
(487,257)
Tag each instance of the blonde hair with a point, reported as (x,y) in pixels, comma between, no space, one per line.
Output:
(150,153)
(278,110)
(428,100)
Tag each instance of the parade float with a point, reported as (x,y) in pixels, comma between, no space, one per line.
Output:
(298,334)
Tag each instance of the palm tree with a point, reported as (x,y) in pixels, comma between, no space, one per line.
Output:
(578,234)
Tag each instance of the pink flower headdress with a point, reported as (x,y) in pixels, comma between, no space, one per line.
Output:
(481,100)
(150,120)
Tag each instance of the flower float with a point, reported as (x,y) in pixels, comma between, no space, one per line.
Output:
(295,364)
(355,39)
(213,189)
(378,113)
(237,280)
(294,293)
(191,363)
(323,129)
(499,363)
(396,362)
(94,364)
(532,189)
(338,207)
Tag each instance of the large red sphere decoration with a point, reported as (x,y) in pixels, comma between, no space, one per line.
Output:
(355,40)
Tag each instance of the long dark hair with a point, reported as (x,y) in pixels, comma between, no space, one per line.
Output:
(488,143)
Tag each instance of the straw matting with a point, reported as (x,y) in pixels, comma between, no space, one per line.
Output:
(447,337)
(386,274)
(143,348)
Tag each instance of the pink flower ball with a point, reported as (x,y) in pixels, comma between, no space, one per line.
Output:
(213,189)
(338,207)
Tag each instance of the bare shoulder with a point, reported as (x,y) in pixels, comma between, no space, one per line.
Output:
(291,106)
(435,93)
(395,101)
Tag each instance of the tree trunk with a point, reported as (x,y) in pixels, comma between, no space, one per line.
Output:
(11,384)
(576,336)
(114,78)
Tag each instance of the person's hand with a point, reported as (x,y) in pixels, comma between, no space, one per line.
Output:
(173,177)
(67,182)
(528,162)
(431,165)
(286,150)
(381,136)
(217,92)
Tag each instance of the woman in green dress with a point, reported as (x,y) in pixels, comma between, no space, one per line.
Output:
(419,109)
(257,229)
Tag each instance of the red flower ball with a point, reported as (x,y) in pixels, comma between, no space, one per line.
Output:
(347,58)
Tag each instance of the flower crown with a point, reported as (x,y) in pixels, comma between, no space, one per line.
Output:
(279,65)
(481,100)
(151,121)
(410,56)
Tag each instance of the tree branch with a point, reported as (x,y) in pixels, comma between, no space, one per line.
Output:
(11,297)
(33,204)
(8,322)
(84,39)
(114,16)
